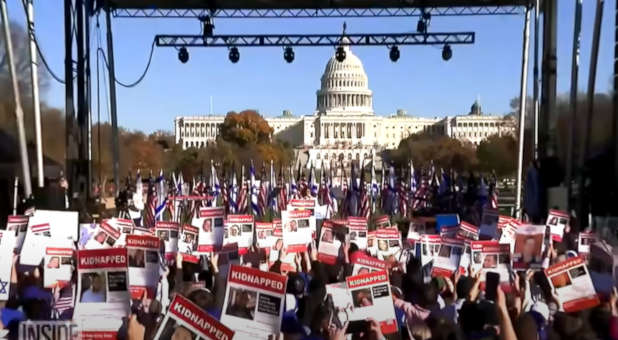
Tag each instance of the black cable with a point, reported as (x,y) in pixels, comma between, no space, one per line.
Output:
(100,50)
(36,42)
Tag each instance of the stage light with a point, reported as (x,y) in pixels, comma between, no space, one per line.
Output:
(340,54)
(234,55)
(208,26)
(183,55)
(288,54)
(421,27)
(447,53)
(394,53)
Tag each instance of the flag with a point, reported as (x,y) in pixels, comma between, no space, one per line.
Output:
(402,194)
(365,208)
(255,209)
(293,186)
(214,182)
(375,189)
(283,191)
(225,194)
(303,188)
(244,191)
(352,201)
(151,204)
(262,192)
(493,192)
(233,193)
(313,186)
(161,196)
(272,188)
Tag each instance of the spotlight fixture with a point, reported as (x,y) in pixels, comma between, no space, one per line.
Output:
(394,53)
(234,55)
(340,54)
(183,55)
(447,53)
(288,54)
(421,27)
(208,26)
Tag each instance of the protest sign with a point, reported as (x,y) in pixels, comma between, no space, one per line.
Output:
(383,222)
(489,224)
(372,243)
(508,226)
(253,304)
(528,247)
(446,262)
(339,303)
(491,256)
(264,235)
(187,244)
(7,246)
(63,224)
(210,224)
(103,290)
(185,320)
(363,263)
(446,220)
(58,267)
(33,249)
(449,232)
(371,298)
(357,229)
(302,204)
(466,258)
(19,225)
(467,231)
(228,256)
(571,281)
(239,229)
(168,232)
(557,221)
(389,242)
(144,265)
(105,236)
(297,229)
(49,329)
(331,238)
(430,246)
(584,240)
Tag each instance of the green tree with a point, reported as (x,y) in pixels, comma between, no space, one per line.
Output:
(499,154)
(445,152)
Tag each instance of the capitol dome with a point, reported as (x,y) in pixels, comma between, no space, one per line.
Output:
(344,86)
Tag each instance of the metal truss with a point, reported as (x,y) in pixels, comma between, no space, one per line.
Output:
(316,13)
(261,40)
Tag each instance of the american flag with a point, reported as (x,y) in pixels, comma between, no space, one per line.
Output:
(375,190)
(303,187)
(323,192)
(365,208)
(493,192)
(242,196)
(225,199)
(272,188)
(151,205)
(64,301)
(334,207)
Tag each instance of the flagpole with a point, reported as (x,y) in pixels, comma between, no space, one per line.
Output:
(522,111)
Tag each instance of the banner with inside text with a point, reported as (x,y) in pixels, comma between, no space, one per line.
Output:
(144,265)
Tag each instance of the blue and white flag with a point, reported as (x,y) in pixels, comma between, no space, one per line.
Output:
(254,191)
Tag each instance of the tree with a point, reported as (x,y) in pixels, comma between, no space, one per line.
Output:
(499,154)
(445,152)
(246,127)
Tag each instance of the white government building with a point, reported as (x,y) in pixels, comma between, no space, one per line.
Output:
(344,125)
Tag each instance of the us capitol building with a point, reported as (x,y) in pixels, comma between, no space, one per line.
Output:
(344,125)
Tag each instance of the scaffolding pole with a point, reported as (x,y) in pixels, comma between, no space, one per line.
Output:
(34,79)
(535,75)
(19,112)
(592,74)
(522,110)
(573,101)
(112,99)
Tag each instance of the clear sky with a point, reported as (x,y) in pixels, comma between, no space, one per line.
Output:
(420,82)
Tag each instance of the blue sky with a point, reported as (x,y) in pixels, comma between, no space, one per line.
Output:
(420,82)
